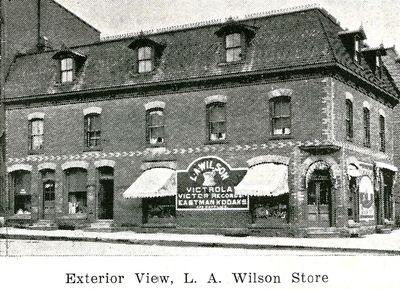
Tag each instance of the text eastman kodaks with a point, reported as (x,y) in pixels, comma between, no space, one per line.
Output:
(189,278)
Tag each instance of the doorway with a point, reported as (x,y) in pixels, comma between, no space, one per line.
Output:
(320,199)
(105,196)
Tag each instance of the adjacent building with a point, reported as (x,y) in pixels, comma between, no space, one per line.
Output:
(276,124)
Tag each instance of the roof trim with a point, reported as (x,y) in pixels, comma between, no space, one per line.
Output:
(67,52)
(359,32)
(232,26)
(142,40)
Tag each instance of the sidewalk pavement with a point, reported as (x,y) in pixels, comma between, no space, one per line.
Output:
(374,243)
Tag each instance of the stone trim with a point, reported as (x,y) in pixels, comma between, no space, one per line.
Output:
(386,166)
(382,113)
(154,105)
(36,115)
(280,93)
(16,167)
(216,99)
(92,110)
(268,159)
(366,105)
(47,165)
(104,163)
(158,164)
(315,162)
(349,96)
(74,164)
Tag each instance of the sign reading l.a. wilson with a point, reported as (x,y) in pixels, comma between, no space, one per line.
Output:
(209,184)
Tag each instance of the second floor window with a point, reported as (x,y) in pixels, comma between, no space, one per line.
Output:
(36,134)
(155,126)
(357,50)
(216,115)
(280,116)
(367,128)
(378,71)
(382,133)
(67,70)
(92,130)
(145,59)
(349,120)
(233,47)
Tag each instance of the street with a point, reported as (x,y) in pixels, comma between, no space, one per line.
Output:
(74,248)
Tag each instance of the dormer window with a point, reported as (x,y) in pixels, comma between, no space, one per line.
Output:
(378,70)
(145,59)
(236,38)
(357,50)
(67,70)
(233,47)
(70,64)
(147,54)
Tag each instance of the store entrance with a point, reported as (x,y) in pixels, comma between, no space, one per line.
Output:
(106,199)
(48,200)
(319,199)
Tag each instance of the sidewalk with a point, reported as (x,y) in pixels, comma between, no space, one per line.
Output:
(375,243)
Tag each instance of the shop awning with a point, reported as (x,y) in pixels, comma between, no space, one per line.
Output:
(154,182)
(267,179)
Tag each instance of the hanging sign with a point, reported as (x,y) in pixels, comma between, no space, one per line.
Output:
(209,184)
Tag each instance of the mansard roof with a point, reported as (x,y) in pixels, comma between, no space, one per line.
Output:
(289,41)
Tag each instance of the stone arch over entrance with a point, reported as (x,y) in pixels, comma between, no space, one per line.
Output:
(321,181)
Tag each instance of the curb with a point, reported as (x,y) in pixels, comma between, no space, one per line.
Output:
(180,243)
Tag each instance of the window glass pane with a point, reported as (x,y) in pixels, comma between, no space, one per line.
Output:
(233,54)
(144,53)
(312,196)
(145,66)
(37,127)
(217,131)
(156,135)
(66,76)
(233,40)
(156,118)
(93,122)
(217,113)
(66,64)
(77,181)
(37,142)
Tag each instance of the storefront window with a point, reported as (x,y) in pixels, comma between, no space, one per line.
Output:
(159,210)
(271,210)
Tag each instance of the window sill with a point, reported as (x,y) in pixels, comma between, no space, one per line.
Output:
(91,149)
(280,137)
(209,142)
(36,152)
(238,62)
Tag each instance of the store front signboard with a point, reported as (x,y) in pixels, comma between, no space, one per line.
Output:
(367,204)
(209,184)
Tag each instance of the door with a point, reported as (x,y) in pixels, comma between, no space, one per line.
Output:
(48,200)
(106,199)
(319,201)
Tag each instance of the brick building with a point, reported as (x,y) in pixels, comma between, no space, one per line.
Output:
(277,124)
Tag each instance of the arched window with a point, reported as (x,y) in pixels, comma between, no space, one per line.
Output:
(382,130)
(349,120)
(367,127)
(92,128)
(21,189)
(216,121)
(155,120)
(280,116)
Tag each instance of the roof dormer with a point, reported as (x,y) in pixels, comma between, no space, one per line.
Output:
(353,41)
(373,56)
(235,38)
(70,63)
(147,53)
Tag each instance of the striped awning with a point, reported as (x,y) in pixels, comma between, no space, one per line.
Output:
(266,179)
(154,182)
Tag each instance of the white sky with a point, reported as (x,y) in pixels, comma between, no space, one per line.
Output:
(380,18)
